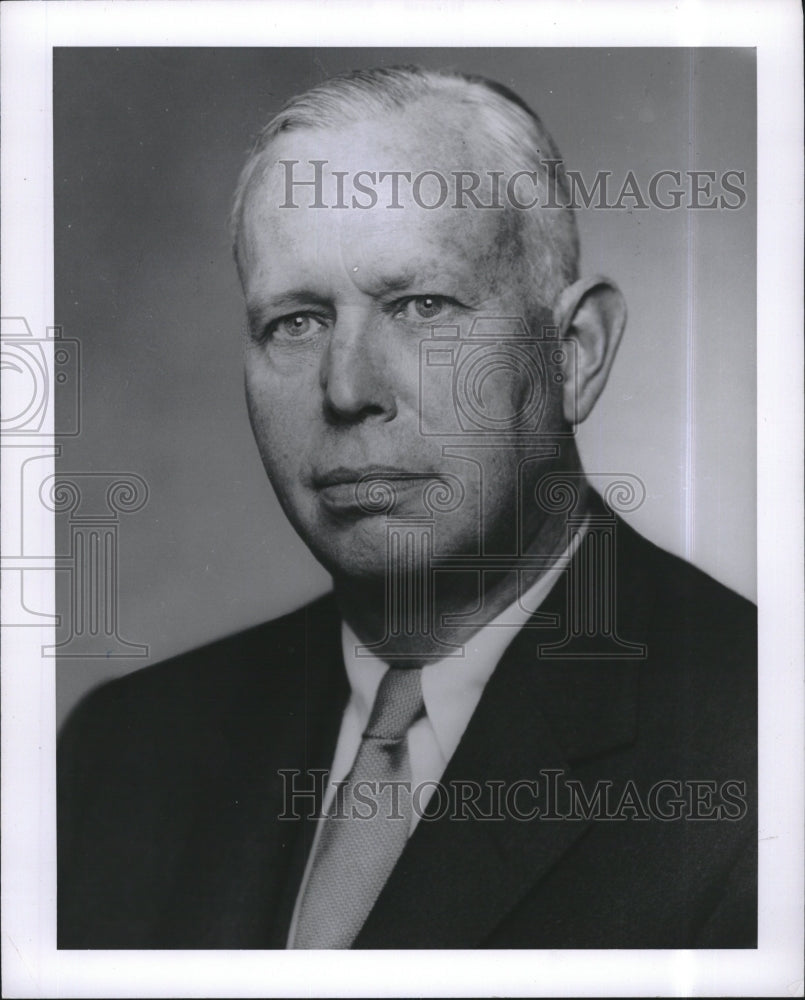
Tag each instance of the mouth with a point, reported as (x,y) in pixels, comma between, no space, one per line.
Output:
(366,490)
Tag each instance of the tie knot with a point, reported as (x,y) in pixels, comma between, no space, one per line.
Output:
(397,704)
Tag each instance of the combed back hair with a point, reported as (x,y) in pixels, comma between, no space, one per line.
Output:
(548,237)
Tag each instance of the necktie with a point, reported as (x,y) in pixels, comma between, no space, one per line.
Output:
(357,850)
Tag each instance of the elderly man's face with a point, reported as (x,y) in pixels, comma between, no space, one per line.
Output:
(340,301)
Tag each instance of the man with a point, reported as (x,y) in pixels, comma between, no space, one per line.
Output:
(515,723)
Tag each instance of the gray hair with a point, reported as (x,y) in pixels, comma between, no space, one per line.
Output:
(549,237)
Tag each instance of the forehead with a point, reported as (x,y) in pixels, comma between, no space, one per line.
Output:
(286,220)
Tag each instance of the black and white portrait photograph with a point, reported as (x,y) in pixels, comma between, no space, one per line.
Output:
(404,535)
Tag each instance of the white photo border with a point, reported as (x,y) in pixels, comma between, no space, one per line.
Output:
(32,967)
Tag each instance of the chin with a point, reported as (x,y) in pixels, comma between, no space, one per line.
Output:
(362,551)
(364,567)
(356,550)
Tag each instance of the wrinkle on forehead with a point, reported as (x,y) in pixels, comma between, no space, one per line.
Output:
(377,253)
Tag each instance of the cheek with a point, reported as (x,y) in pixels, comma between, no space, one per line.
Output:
(277,424)
(498,392)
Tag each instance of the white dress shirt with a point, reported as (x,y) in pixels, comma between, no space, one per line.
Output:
(451,690)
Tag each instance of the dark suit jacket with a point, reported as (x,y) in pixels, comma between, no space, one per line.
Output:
(170,792)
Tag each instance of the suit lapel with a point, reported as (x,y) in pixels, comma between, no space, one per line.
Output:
(458,878)
(249,858)
(318,720)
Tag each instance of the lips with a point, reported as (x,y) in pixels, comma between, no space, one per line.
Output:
(365,490)
(345,474)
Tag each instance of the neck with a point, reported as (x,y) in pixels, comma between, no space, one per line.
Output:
(364,603)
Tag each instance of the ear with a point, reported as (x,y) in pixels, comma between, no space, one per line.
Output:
(592,314)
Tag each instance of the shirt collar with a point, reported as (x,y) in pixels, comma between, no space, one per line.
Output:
(452,686)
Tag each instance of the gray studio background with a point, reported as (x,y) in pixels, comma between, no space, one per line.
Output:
(148,144)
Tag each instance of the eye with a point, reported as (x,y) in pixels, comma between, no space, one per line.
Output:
(424,307)
(428,306)
(295,326)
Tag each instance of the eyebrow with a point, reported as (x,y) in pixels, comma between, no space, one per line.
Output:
(433,271)
(386,283)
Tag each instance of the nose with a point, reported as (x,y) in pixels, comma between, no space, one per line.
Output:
(356,376)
